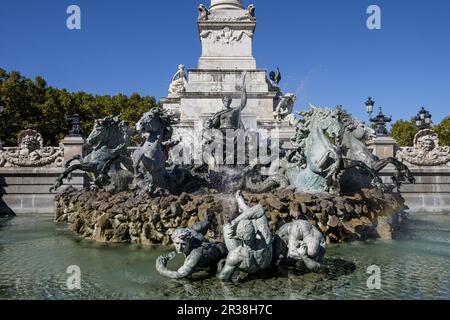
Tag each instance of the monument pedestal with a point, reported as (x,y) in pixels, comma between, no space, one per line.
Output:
(383,147)
(72,146)
(226,33)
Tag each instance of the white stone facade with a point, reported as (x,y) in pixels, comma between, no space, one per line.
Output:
(226,33)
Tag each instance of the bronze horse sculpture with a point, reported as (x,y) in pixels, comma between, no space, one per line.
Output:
(352,144)
(109,140)
(150,161)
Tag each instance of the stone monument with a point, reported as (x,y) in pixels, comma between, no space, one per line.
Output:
(226,31)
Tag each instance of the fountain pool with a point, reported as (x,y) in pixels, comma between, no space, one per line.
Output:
(35,254)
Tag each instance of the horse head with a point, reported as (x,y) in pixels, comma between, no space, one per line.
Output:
(106,132)
(328,120)
(157,122)
(150,123)
(357,129)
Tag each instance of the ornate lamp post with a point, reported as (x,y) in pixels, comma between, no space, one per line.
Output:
(423,119)
(369,106)
(380,120)
(74,122)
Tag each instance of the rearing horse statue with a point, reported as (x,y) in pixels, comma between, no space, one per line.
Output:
(354,134)
(109,140)
(150,160)
(317,160)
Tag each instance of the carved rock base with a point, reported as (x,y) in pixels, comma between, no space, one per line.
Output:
(125,217)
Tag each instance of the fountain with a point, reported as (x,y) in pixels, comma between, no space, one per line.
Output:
(292,196)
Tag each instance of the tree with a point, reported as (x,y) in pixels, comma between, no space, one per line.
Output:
(443,130)
(29,103)
(403,132)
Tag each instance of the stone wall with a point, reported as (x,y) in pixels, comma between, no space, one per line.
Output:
(430,193)
(125,217)
(26,190)
(29,170)
(431,168)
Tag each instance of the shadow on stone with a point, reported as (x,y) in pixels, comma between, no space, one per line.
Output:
(5,211)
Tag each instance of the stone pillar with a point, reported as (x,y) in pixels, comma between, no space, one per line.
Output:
(383,146)
(226,4)
(227,38)
(73,145)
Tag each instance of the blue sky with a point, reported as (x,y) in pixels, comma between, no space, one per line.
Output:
(323,47)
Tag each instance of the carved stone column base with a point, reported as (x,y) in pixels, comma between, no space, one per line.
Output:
(72,146)
(383,147)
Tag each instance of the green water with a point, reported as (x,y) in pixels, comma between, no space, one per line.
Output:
(35,254)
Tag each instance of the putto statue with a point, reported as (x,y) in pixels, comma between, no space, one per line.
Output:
(300,241)
(229,117)
(179,82)
(285,108)
(199,253)
(426,151)
(249,241)
(109,140)
(31,152)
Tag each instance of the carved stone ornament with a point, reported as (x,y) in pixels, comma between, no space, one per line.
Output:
(226,35)
(31,152)
(216,18)
(426,151)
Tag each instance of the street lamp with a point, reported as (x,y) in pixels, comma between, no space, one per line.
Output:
(74,122)
(423,119)
(380,122)
(369,106)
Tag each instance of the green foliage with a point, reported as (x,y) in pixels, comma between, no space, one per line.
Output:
(33,104)
(403,132)
(443,130)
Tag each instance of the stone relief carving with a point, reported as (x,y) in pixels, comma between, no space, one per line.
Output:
(426,151)
(31,152)
(216,18)
(226,35)
(179,82)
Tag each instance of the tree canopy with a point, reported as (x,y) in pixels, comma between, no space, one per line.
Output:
(443,130)
(33,104)
(403,132)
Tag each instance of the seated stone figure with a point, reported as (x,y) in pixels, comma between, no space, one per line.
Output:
(199,253)
(300,241)
(248,240)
